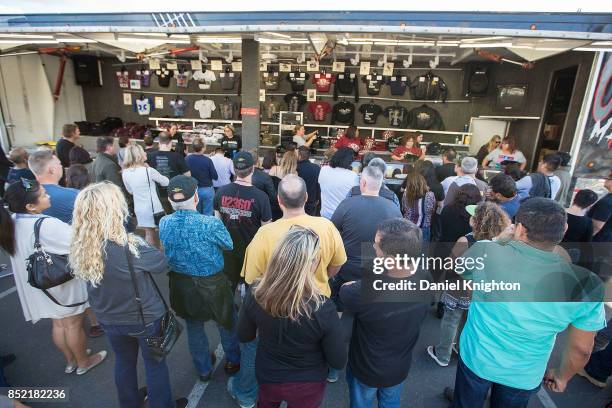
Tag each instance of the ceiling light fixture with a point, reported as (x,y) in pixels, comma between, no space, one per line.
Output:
(27,36)
(220,40)
(26,41)
(351,42)
(170,39)
(489,45)
(76,40)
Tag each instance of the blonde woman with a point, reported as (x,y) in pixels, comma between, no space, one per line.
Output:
(487,148)
(298,328)
(26,200)
(140,181)
(101,253)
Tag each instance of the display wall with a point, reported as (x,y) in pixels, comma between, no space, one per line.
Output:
(101,102)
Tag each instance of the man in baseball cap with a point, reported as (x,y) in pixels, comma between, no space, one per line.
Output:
(243,161)
(466,173)
(194,245)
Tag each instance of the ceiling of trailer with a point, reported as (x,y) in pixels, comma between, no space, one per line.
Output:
(278,46)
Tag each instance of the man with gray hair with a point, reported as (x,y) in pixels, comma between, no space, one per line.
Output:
(348,218)
(466,173)
(384,191)
(48,171)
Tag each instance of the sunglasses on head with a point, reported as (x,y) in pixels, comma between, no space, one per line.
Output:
(307,230)
(28,185)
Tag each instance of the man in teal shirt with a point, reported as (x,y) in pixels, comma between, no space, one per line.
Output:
(509,335)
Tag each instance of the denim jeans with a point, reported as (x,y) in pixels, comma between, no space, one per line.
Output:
(198,345)
(206,195)
(243,386)
(362,396)
(600,364)
(125,341)
(471,391)
(451,321)
(426,233)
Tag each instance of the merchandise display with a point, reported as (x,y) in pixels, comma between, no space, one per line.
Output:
(323,81)
(373,83)
(163,77)
(270,80)
(298,80)
(205,107)
(204,78)
(228,79)
(343,112)
(295,102)
(319,110)
(182,79)
(397,115)
(178,106)
(123,78)
(397,84)
(143,106)
(270,110)
(429,87)
(346,83)
(227,109)
(425,118)
(144,75)
(370,112)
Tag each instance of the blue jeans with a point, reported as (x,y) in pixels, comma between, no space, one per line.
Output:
(243,386)
(206,195)
(600,364)
(426,233)
(362,396)
(471,391)
(125,341)
(198,345)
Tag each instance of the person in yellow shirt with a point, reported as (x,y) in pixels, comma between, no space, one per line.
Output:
(291,198)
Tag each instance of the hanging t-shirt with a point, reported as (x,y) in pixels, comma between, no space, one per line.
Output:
(163,77)
(182,79)
(270,110)
(343,112)
(144,106)
(145,77)
(205,107)
(228,80)
(295,102)
(373,83)
(179,106)
(298,79)
(398,84)
(123,77)
(204,78)
(370,113)
(270,80)
(397,115)
(227,109)
(319,110)
(323,81)
(242,210)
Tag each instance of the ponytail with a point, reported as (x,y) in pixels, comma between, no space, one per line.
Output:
(7,230)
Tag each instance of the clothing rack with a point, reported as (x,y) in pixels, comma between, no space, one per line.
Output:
(378,98)
(136,91)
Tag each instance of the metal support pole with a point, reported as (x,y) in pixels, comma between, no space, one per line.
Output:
(250,94)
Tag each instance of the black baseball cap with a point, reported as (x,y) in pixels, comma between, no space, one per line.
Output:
(243,161)
(181,188)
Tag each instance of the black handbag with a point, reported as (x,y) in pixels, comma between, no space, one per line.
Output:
(162,343)
(47,270)
(157,216)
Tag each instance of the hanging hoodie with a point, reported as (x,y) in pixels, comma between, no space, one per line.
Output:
(429,87)
(346,83)
(424,118)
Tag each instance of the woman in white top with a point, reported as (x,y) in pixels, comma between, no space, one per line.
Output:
(336,180)
(288,165)
(139,180)
(507,152)
(27,200)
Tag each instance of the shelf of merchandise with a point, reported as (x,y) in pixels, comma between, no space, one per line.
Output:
(192,121)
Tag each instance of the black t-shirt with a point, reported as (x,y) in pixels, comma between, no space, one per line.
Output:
(231,146)
(579,229)
(163,77)
(62,150)
(397,115)
(309,172)
(297,79)
(295,102)
(370,113)
(397,84)
(602,211)
(445,170)
(455,223)
(384,334)
(373,83)
(169,164)
(343,112)
(289,351)
(242,209)
(348,218)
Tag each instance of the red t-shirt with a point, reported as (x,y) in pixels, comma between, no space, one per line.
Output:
(400,150)
(323,81)
(319,110)
(344,141)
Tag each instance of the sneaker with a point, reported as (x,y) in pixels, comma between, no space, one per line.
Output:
(207,377)
(241,404)
(71,368)
(449,394)
(590,379)
(431,350)
(95,331)
(231,368)
(84,370)
(181,402)
(332,376)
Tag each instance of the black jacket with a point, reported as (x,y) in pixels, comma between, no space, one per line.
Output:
(425,118)
(263,181)
(429,87)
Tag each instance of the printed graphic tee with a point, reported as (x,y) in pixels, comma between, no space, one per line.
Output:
(319,110)
(204,78)
(270,80)
(397,115)
(270,110)
(205,107)
(298,79)
(123,77)
(370,113)
(163,77)
(143,106)
(182,79)
(145,77)
(373,83)
(295,102)
(179,106)
(323,81)
(227,109)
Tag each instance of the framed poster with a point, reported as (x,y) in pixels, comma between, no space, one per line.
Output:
(237,66)
(159,102)
(388,69)
(172,66)
(263,66)
(262,95)
(196,65)
(364,68)
(127,98)
(338,66)
(313,66)
(154,63)
(284,67)
(311,95)
(134,83)
(216,65)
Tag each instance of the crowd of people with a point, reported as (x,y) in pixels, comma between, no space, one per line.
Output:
(276,252)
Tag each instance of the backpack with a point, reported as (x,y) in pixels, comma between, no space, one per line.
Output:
(540,186)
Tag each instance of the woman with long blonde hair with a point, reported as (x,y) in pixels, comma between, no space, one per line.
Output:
(114,262)
(140,181)
(298,327)
(488,147)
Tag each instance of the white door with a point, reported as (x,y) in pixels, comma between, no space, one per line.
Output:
(483,130)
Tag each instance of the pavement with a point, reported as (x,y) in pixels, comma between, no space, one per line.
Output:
(40,364)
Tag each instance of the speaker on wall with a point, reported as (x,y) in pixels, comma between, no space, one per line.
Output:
(87,70)
(477,79)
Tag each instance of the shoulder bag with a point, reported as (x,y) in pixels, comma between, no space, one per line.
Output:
(157,216)
(47,270)
(161,343)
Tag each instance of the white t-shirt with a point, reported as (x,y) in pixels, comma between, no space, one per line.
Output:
(205,107)
(497,156)
(335,185)
(299,140)
(204,78)
(224,168)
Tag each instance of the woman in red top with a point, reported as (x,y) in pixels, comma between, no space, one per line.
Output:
(351,139)
(407,147)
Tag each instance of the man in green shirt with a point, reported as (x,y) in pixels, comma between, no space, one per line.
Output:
(509,335)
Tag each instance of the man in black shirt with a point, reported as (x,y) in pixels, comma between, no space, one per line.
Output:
(243,208)
(70,136)
(169,164)
(447,169)
(309,172)
(386,326)
(601,213)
